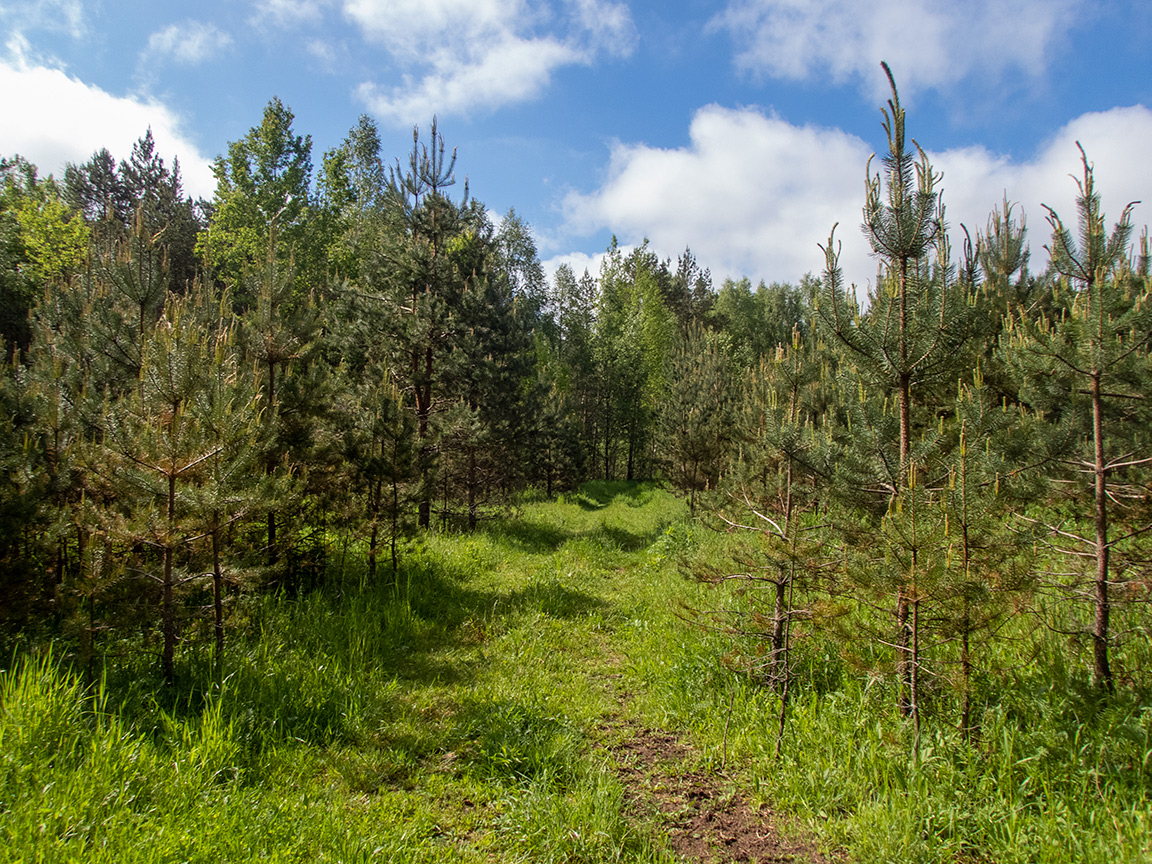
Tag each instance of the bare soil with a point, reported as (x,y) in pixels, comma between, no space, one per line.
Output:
(705,819)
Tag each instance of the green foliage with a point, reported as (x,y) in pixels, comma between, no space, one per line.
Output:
(907,341)
(41,242)
(634,336)
(174,457)
(375,358)
(379,446)
(390,713)
(352,186)
(458,716)
(263,199)
(22,497)
(55,243)
(696,416)
(141,196)
(759,322)
(1089,368)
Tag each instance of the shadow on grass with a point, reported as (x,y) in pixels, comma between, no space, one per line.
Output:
(597,494)
(299,675)
(630,541)
(536,538)
(542,537)
(304,667)
(533,537)
(555,600)
(451,603)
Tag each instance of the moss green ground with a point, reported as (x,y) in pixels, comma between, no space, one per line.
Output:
(461,716)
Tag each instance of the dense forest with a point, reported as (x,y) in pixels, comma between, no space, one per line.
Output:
(934,477)
(238,387)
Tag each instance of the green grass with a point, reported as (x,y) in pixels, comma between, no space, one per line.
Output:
(458,716)
(1057,773)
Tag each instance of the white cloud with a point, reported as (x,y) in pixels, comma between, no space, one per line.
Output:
(289,13)
(580,262)
(54,15)
(928,43)
(1116,143)
(53,118)
(323,52)
(516,73)
(187,43)
(753,195)
(609,25)
(408,27)
(459,56)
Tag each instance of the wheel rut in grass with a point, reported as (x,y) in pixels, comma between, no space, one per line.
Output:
(704,821)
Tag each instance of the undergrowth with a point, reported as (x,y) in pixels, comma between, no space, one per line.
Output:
(455,715)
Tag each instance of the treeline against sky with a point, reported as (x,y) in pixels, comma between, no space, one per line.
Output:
(204,399)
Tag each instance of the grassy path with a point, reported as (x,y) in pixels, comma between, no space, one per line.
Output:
(530,693)
(497,705)
(617,597)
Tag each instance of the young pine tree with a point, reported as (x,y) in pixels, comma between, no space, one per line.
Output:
(770,497)
(907,339)
(418,288)
(1089,371)
(696,418)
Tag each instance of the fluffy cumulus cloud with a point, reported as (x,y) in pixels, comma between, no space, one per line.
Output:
(751,194)
(187,43)
(754,195)
(458,56)
(83,119)
(1115,143)
(579,262)
(930,43)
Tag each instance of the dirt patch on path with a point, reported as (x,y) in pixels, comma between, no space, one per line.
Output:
(705,821)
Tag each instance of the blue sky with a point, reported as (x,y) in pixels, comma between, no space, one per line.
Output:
(740,128)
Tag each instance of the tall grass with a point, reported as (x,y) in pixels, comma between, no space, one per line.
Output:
(456,716)
(1057,772)
(443,718)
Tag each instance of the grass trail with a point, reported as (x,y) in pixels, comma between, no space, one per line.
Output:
(453,717)
(531,693)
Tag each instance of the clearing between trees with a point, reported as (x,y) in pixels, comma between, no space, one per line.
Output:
(533,692)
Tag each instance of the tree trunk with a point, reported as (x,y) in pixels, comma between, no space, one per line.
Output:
(167,610)
(779,616)
(217,597)
(1102,671)
(966,672)
(904,643)
(423,415)
(904,634)
(607,437)
(86,621)
(374,536)
(472,489)
(785,688)
(272,554)
(914,675)
(631,449)
(395,523)
(372,539)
